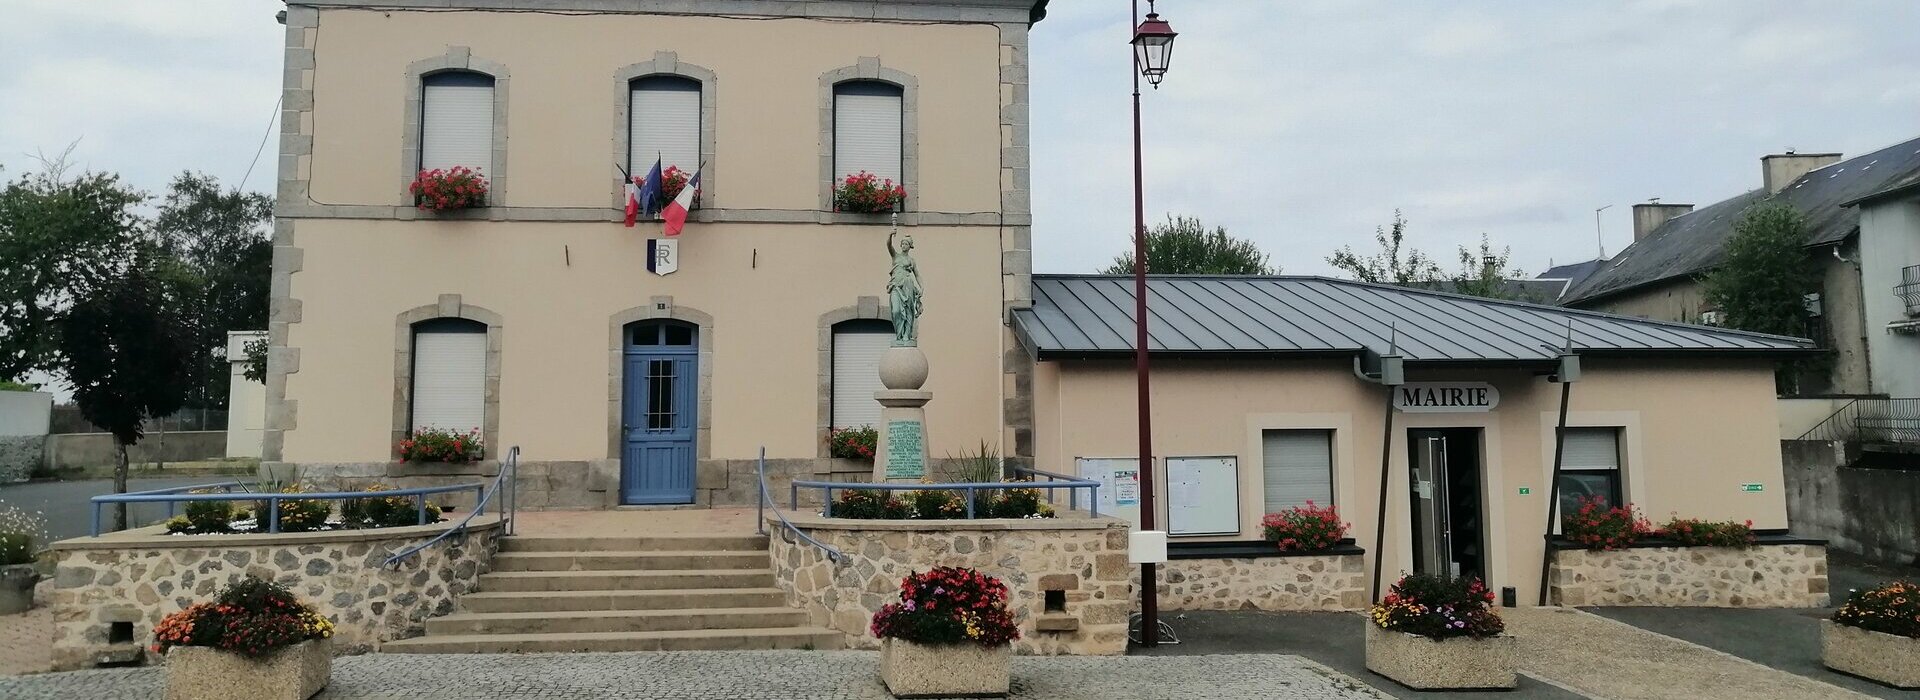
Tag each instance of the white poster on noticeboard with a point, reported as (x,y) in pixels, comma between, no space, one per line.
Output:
(1119,479)
(1203,495)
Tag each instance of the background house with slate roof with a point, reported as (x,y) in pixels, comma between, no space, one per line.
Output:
(1675,246)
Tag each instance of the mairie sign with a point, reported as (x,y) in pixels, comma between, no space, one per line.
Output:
(1445,397)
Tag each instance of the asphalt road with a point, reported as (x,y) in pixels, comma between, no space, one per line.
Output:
(64,503)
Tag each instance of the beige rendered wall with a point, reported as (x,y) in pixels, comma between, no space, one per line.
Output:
(765,286)
(1694,433)
(563,97)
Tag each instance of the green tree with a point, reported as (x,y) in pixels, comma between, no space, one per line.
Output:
(1763,282)
(1394,264)
(221,259)
(127,353)
(1183,246)
(59,237)
(1485,274)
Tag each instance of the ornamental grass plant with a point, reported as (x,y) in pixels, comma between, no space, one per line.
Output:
(948,605)
(21,534)
(1307,528)
(1438,608)
(1892,608)
(251,617)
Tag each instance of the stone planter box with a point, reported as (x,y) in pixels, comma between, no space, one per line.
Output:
(297,672)
(1461,663)
(1876,656)
(16,588)
(944,671)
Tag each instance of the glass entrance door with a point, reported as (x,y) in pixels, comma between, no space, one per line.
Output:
(1432,534)
(1446,484)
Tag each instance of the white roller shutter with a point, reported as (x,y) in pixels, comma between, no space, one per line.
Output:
(1298,467)
(456,124)
(664,123)
(449,380)
(1592,448)
(856,375)
(866,135)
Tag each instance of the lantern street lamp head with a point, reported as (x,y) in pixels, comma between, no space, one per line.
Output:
(1153,46)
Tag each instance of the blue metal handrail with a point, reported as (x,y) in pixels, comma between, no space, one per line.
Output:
(828,487)
(172,496)
(509,465)
(1073,495)
(789,530)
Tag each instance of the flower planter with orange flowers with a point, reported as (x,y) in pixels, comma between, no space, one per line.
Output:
(256,641)
(1876,635)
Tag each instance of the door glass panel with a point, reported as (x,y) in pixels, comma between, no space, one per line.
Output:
(660,387)
(679,335)
(646,335)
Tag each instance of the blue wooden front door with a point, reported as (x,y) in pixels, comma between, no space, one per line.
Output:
(658,405)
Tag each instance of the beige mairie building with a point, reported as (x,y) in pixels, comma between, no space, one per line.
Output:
(536,321)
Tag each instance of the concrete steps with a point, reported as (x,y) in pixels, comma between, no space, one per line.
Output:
(665,593)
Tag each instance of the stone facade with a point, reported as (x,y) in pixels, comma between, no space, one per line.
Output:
(140,576)
(1084,558)
(1315,582)
(1761,576)
(19,456)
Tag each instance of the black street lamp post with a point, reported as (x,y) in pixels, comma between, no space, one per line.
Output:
(1152,49)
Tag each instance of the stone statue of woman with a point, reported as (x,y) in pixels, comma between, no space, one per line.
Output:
(903,292)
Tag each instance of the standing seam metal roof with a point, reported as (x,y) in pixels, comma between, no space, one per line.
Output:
(1093,314)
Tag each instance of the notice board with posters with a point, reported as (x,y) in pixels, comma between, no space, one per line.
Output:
(1203,495)
(1119,479)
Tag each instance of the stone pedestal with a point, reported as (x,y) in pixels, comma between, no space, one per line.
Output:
(901,455)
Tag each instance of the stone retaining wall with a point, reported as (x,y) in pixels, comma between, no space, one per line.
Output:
(1085,558)
(140,576)
(1761,576)
(20,455)
(1313,582)
(583,484)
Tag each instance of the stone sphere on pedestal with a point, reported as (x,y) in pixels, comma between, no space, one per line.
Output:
(903,368)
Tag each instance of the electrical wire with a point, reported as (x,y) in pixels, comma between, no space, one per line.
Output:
(271,118)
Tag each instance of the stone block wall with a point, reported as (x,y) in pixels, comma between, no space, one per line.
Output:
(140,576)
(1312,582)
(1761,576)
(1086,558)
(19,456)
(587,484)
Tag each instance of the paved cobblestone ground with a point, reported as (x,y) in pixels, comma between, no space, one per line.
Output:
(748,675)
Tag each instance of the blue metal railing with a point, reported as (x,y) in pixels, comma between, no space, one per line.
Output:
(1073,495)
(175,495)
(970,490)
(509,466)
(788,530)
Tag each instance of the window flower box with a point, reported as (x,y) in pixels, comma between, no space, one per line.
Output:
(442,445)
(866,193)
(1431,633)
(449,190)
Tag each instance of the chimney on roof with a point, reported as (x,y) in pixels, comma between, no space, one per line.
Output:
(1781,169)
(1649,216)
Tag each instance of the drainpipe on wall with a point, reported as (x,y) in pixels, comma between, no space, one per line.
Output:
(1566,375)
(1392,373)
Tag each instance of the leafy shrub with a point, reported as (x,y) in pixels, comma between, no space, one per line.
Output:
(948,606)
(871,505)
(451,189)
(934,504)
(21,533)
(853,443)
(1438,608)
(864,192)
(1594,525)
(1017,503)
(1893,608)
(1307,528)
(252,617)
(1694,532)
(384,511)
(442,445)
(209,516)
(179,524)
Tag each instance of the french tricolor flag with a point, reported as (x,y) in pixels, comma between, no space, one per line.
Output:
(676,211)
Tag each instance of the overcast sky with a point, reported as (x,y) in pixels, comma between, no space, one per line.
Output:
(1300,124)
